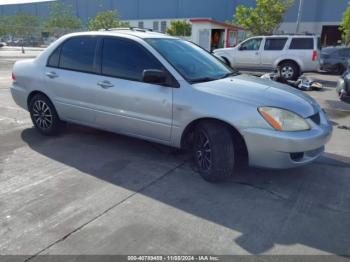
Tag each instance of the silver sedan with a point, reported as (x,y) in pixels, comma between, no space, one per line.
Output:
(166,90)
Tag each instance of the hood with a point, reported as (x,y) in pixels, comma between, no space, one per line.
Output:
(262,92)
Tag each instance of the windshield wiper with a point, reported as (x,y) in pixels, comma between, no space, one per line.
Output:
(203,79)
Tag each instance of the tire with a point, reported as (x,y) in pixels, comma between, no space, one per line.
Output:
(213,151)
(44,115)
(339,69)
(289,70)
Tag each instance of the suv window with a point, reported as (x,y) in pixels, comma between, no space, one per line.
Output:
(78,54)
(275,43)
(251,45)
(302,43)
(126,59)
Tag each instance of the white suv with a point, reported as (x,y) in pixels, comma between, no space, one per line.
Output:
(294,54)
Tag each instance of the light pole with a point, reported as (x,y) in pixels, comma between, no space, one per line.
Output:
(300,11)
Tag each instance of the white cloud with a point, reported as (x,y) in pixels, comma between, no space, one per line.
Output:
(13,2)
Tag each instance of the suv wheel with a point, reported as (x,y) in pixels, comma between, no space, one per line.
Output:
(289,70)
(213,151)
(44,115)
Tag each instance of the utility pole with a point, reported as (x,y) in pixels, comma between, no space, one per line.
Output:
(300,11)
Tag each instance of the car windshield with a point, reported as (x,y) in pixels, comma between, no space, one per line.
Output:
(191,61)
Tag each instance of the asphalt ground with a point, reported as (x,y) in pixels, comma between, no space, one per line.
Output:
(93,192)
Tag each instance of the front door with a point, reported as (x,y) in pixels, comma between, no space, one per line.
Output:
(247,55)
(124,103)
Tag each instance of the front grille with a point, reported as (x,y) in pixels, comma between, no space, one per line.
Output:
(316,118)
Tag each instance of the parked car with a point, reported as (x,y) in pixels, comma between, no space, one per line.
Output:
(167,90)
(294,54)
(334,59)
(2,44)
(343,85)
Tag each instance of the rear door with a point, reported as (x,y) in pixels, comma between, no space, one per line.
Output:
(123,102)
(70,77)
(274,48)
(247,55)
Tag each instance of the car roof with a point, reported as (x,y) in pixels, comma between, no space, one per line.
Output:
(125,32)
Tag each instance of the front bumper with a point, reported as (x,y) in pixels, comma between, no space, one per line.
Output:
(274,149)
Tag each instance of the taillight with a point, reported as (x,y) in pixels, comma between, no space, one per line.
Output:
(13,77)
(314,55)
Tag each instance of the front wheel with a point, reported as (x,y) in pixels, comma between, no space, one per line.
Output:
(213,151)
(44,115)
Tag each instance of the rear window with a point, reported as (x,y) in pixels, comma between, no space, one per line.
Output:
(302,43)
(275,43)
(78,54)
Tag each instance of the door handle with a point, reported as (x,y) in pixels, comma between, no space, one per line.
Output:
(51,75)
(256,53)
(105,84)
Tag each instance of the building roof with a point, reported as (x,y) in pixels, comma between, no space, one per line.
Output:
(211,21)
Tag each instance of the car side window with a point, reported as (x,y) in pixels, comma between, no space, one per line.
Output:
(123,58)
(251,45)
(302,43)
(54,58)
(274,44)
(78,54)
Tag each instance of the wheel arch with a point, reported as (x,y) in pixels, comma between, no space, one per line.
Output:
(33,93)
(37,92)
(241,150)
(288,60)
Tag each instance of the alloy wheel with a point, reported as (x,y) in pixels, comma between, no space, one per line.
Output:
(287,72)
(203,152)
(42,114)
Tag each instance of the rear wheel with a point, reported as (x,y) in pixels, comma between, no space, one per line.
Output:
(289,70)
(44,115)
(213,151)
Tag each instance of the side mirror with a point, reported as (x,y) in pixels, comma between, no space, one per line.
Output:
(241,48)
(154,76)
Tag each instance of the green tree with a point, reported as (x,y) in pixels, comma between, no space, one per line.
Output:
(345,26)
(265,18)
(61,19)
(4,25)
(105,20)
(179,28)
(23,25)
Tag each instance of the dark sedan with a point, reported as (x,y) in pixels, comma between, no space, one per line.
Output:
(334,59)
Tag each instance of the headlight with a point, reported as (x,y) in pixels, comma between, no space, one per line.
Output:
(283,120)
